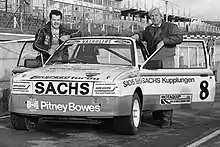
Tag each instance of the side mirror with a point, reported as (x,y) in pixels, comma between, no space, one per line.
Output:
(32,63)
(154,64)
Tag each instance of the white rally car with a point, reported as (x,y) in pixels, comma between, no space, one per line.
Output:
(108,77)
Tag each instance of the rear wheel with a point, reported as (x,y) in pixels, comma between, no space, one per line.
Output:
(130,124)
(18,122)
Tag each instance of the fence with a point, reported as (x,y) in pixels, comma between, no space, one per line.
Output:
(29,24)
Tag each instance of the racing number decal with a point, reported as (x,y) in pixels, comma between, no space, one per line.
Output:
(204,93)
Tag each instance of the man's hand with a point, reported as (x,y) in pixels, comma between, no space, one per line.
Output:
(65,37)
(160,45)
(135,37)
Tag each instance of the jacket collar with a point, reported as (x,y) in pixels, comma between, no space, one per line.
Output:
(153,25)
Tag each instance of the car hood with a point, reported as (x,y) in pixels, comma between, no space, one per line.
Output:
(76,72)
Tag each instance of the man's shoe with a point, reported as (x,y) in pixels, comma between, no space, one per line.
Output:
(165,124)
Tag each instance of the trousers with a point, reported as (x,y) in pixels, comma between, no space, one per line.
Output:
(163,115)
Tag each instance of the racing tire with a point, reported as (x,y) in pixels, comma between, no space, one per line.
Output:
(129,125)
(31,123)
(18,122)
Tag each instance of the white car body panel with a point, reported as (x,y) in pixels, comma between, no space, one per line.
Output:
(98,90)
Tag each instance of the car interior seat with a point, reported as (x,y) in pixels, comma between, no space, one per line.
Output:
(88,54)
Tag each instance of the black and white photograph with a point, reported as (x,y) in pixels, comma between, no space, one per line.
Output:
(109,73)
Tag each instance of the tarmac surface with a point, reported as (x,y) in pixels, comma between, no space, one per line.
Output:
(188,127)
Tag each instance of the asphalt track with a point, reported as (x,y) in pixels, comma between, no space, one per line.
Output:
(213,138)
(189,130)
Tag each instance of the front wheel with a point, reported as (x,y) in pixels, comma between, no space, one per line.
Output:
(18,122)
(31,123)
(130,124)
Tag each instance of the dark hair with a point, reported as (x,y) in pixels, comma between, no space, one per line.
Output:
(55,12)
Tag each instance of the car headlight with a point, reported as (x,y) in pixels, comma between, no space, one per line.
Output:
(21,87)
(105,89)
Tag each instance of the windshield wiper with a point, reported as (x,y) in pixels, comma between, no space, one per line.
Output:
(76,60)
(59,61)
(73,60)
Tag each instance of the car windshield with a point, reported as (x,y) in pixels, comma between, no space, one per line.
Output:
(112,51)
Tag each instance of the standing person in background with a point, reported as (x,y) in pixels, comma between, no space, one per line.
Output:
(50,36)
(157,35)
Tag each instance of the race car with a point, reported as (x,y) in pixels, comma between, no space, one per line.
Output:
(109,77)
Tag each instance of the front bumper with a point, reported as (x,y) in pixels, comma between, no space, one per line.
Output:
(72,106)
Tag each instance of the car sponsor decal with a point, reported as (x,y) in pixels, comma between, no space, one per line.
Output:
(172,99)
(105,88)
(99,41)
(158,80)
(62,88)
(34,105)
(132,82)
(96,41)
(50,77)
(78,69)
(65,77)
(19,87)
(84,78)
(165,80)
(204,92)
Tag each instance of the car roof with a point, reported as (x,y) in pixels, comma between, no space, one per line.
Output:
(123,37)
(102,37)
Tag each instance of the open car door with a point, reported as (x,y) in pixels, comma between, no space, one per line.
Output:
(142,52)
(179,77)
(27,56)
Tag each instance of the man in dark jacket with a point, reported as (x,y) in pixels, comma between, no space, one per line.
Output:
(157,35)
(50,36)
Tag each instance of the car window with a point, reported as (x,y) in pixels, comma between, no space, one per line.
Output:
(192,55)
(114,54)
(27,53)
(95,51)
(183,56)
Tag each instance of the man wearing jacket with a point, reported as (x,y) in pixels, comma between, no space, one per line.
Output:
(50,36)
(157,35)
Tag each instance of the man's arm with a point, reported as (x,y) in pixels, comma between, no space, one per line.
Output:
(75,33)
(175,36)
(139,35)
(70,34)
(39,42)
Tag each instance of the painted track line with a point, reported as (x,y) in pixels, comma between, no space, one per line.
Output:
(205,139)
